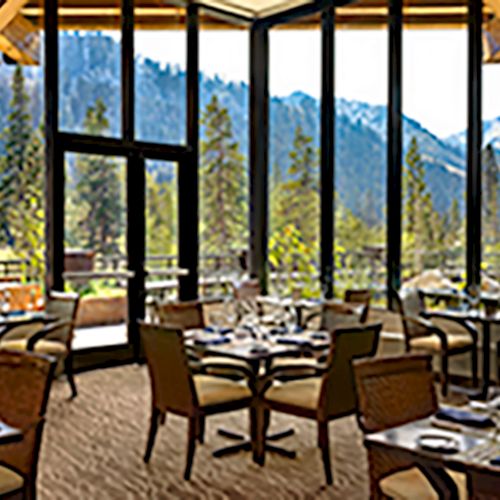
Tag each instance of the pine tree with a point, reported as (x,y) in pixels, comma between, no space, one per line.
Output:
(98,195)
(293,246)
(160,216)
(421,221)
(17,138)
(300,204)
(21,182)
(491,208)
(223,198)
(491,185)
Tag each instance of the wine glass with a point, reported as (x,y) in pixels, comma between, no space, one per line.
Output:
(474,298)
(291,320)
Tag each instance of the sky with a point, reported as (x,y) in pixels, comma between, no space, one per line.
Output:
(434,71)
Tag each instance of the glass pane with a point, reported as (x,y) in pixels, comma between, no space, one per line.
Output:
(161,230)
(22,176)
(160,83)
(491,175)
(223,157)
(90,75)
(294,202)
(361,161)
(434,162)
(95,245)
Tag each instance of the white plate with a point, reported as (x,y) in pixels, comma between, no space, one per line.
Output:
(441,443)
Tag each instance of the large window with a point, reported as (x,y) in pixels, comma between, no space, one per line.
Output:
(223,188)
(434,158)
(294,192)
(361,160)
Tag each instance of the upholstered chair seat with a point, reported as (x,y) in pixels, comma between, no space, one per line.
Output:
(213,391)
(10,482)
(51,347)
(411,484)
(303,394)
(433,342)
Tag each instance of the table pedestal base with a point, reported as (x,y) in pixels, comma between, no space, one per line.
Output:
(245,444)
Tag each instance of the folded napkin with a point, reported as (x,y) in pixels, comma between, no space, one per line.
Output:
(495,461)
(320,336)
(465,418)
(214,341)
(293,341)
(279,330)
(259,348)
(214,329)
(15,313)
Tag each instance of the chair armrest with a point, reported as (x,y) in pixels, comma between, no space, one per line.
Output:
(310,317)
(467,325)
(51,328)
(432,329)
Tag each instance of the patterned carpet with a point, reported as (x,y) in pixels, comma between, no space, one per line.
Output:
(93,447)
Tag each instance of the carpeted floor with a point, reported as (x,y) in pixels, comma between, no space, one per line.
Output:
(93,446)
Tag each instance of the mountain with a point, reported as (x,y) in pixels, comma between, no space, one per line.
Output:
(491,135)
(90,69)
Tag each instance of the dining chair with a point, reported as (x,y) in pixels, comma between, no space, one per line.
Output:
(334,315)
(359,296)
(25,381)
(245,294)
(328,395)
(189,315)
(176,389)
(391,392)
(423,335)
(54,339)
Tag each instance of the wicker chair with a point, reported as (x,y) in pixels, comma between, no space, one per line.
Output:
(177,390)
(423,335)
(182,315)
(392,392)
(25,385)
(189,315)
(359,296)
(245,296)
(55,339)
(333,316)
(328,395)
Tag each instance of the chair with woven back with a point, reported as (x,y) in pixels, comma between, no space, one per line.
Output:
(177,389)
(189,315)
(359,296)
(426,336)
(25,381)
(391,392)
(245,294)
(333,316)
(326,396)
(54,339)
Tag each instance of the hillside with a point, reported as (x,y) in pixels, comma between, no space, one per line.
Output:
(90,68)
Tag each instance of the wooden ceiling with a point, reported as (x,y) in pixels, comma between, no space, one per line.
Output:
(20,20)
(158,14)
